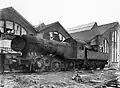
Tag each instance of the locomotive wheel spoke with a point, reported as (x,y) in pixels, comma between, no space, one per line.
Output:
(71,65)
(40,64)
(43,64)
(55,65)
(46,61)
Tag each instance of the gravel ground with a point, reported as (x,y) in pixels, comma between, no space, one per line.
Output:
(77,79)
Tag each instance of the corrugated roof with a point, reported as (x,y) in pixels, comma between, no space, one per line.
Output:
(90,34)
(84,27)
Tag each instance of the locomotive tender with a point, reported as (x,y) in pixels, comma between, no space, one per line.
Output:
(50,55)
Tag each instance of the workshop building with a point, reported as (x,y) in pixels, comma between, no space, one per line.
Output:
(12,22)
(105,37)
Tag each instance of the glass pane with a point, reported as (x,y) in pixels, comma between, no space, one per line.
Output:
(17,29)
(51,35)
(61,37)
(9,24)
(105,41)
(55,32)
(113,36)
(113,52)
(107,47)
(23,31)
(1,23)
(2,29)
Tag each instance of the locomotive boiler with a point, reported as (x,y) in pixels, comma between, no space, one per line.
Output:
(49,55)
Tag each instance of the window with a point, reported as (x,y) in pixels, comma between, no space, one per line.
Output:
(9,24)
(9,27)
(55,32)
(51,35)
(17,29)
(114,46)
(104,46)
(63,38)
(23,31)
(60,37)
(2,26)
(12,28)
(55,36)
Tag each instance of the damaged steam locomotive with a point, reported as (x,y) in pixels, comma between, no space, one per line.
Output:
(38,55)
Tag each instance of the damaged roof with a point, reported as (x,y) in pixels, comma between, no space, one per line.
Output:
(87,35)
(11,14)
(56,26)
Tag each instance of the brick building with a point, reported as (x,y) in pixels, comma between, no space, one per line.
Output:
(11,22)
(105,37)
(52,30)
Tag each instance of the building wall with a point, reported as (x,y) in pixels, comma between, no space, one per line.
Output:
(54,30)
(119,45)
(12,15)
(12,22)
(108,36)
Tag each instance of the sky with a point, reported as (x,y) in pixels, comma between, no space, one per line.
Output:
(69,13)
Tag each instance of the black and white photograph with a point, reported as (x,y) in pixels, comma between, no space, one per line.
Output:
(60,44)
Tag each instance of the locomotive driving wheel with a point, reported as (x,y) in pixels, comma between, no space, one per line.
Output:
(43,64)
(71,65)
(55,65)
(40,64)
(46,60)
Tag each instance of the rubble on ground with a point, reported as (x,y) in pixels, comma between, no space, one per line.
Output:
(79,79)
(94,78)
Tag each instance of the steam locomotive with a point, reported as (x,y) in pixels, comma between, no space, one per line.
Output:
(40,55)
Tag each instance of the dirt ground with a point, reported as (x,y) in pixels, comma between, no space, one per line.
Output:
(76,79)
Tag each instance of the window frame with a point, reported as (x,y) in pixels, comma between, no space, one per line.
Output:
(114,46)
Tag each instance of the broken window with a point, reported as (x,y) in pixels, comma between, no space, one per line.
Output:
(9,27)
(23,31)
(51,35)
(56,36)
(63,38)
(17,29)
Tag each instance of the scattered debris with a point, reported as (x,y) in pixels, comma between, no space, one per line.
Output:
(78,79)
